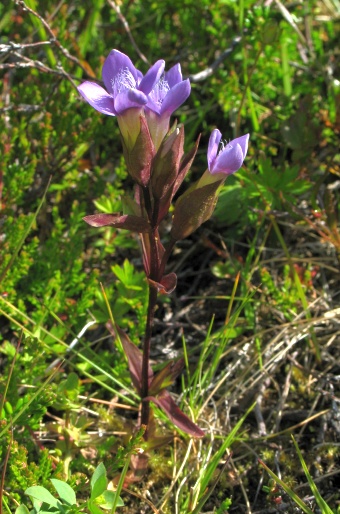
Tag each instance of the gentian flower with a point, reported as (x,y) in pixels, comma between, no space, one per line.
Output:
(231,155)
(126,92)
(165,97)
(225,161)
(197,204)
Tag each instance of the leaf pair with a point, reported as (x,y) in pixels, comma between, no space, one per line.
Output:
(157,383)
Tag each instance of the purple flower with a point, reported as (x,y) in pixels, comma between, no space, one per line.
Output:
(126,87)
(169,92)
(126,93)
(165,97)
(231,155)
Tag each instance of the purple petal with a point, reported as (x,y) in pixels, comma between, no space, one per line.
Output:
(96,96)
(152,105)
(129,98)
(152,77)
(139,76)
(229,160)
(175,97)
(214,141)
(243,142)
(115,63)
(174,75)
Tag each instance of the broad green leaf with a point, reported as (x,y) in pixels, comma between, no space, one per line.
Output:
(65,491)
(60,509)
(98,481)
(22,509)
(109,497)
(36,506)
(93,508)
(41,494)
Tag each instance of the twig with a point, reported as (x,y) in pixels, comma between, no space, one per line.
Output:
(38,66)
(122,18)
(257,409)
(12,48)
(54,40)
(283,398)
(204,74)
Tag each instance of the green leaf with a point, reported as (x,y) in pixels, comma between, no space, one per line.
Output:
(65,491)
(52,510)
(287,490)
(98,481)
(36,506)
(109,497)
(325,509)
(72,382)
(43,495)
(22,509)
(93,508)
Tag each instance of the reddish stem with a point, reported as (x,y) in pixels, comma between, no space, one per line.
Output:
(145,414)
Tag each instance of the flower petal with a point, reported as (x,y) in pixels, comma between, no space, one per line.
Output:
(153,106)
(97,97)
(229,160)
(243,142)
(214,141)
(128,99)
(139,76)
(115,64)
(151,77)
(175,97)
(174,75)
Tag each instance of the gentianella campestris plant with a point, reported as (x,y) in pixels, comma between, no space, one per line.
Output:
(155,160)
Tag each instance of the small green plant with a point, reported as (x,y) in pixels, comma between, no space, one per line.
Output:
(101,499)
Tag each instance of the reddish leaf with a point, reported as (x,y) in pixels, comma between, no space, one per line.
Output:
(185,166)
(139,158)
(133,354)
(183,170)
(166,285)
(138,468)
(157,442)
(167,162)
(166,376)
(139,465)
(193,208)
(126,221)
(174,413)
(146,249)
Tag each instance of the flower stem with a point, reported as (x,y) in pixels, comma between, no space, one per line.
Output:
(154,270)
(146,357)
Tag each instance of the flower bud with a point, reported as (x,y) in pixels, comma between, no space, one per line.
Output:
(167,162)
(197,204)
(139,157)
(225,161)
